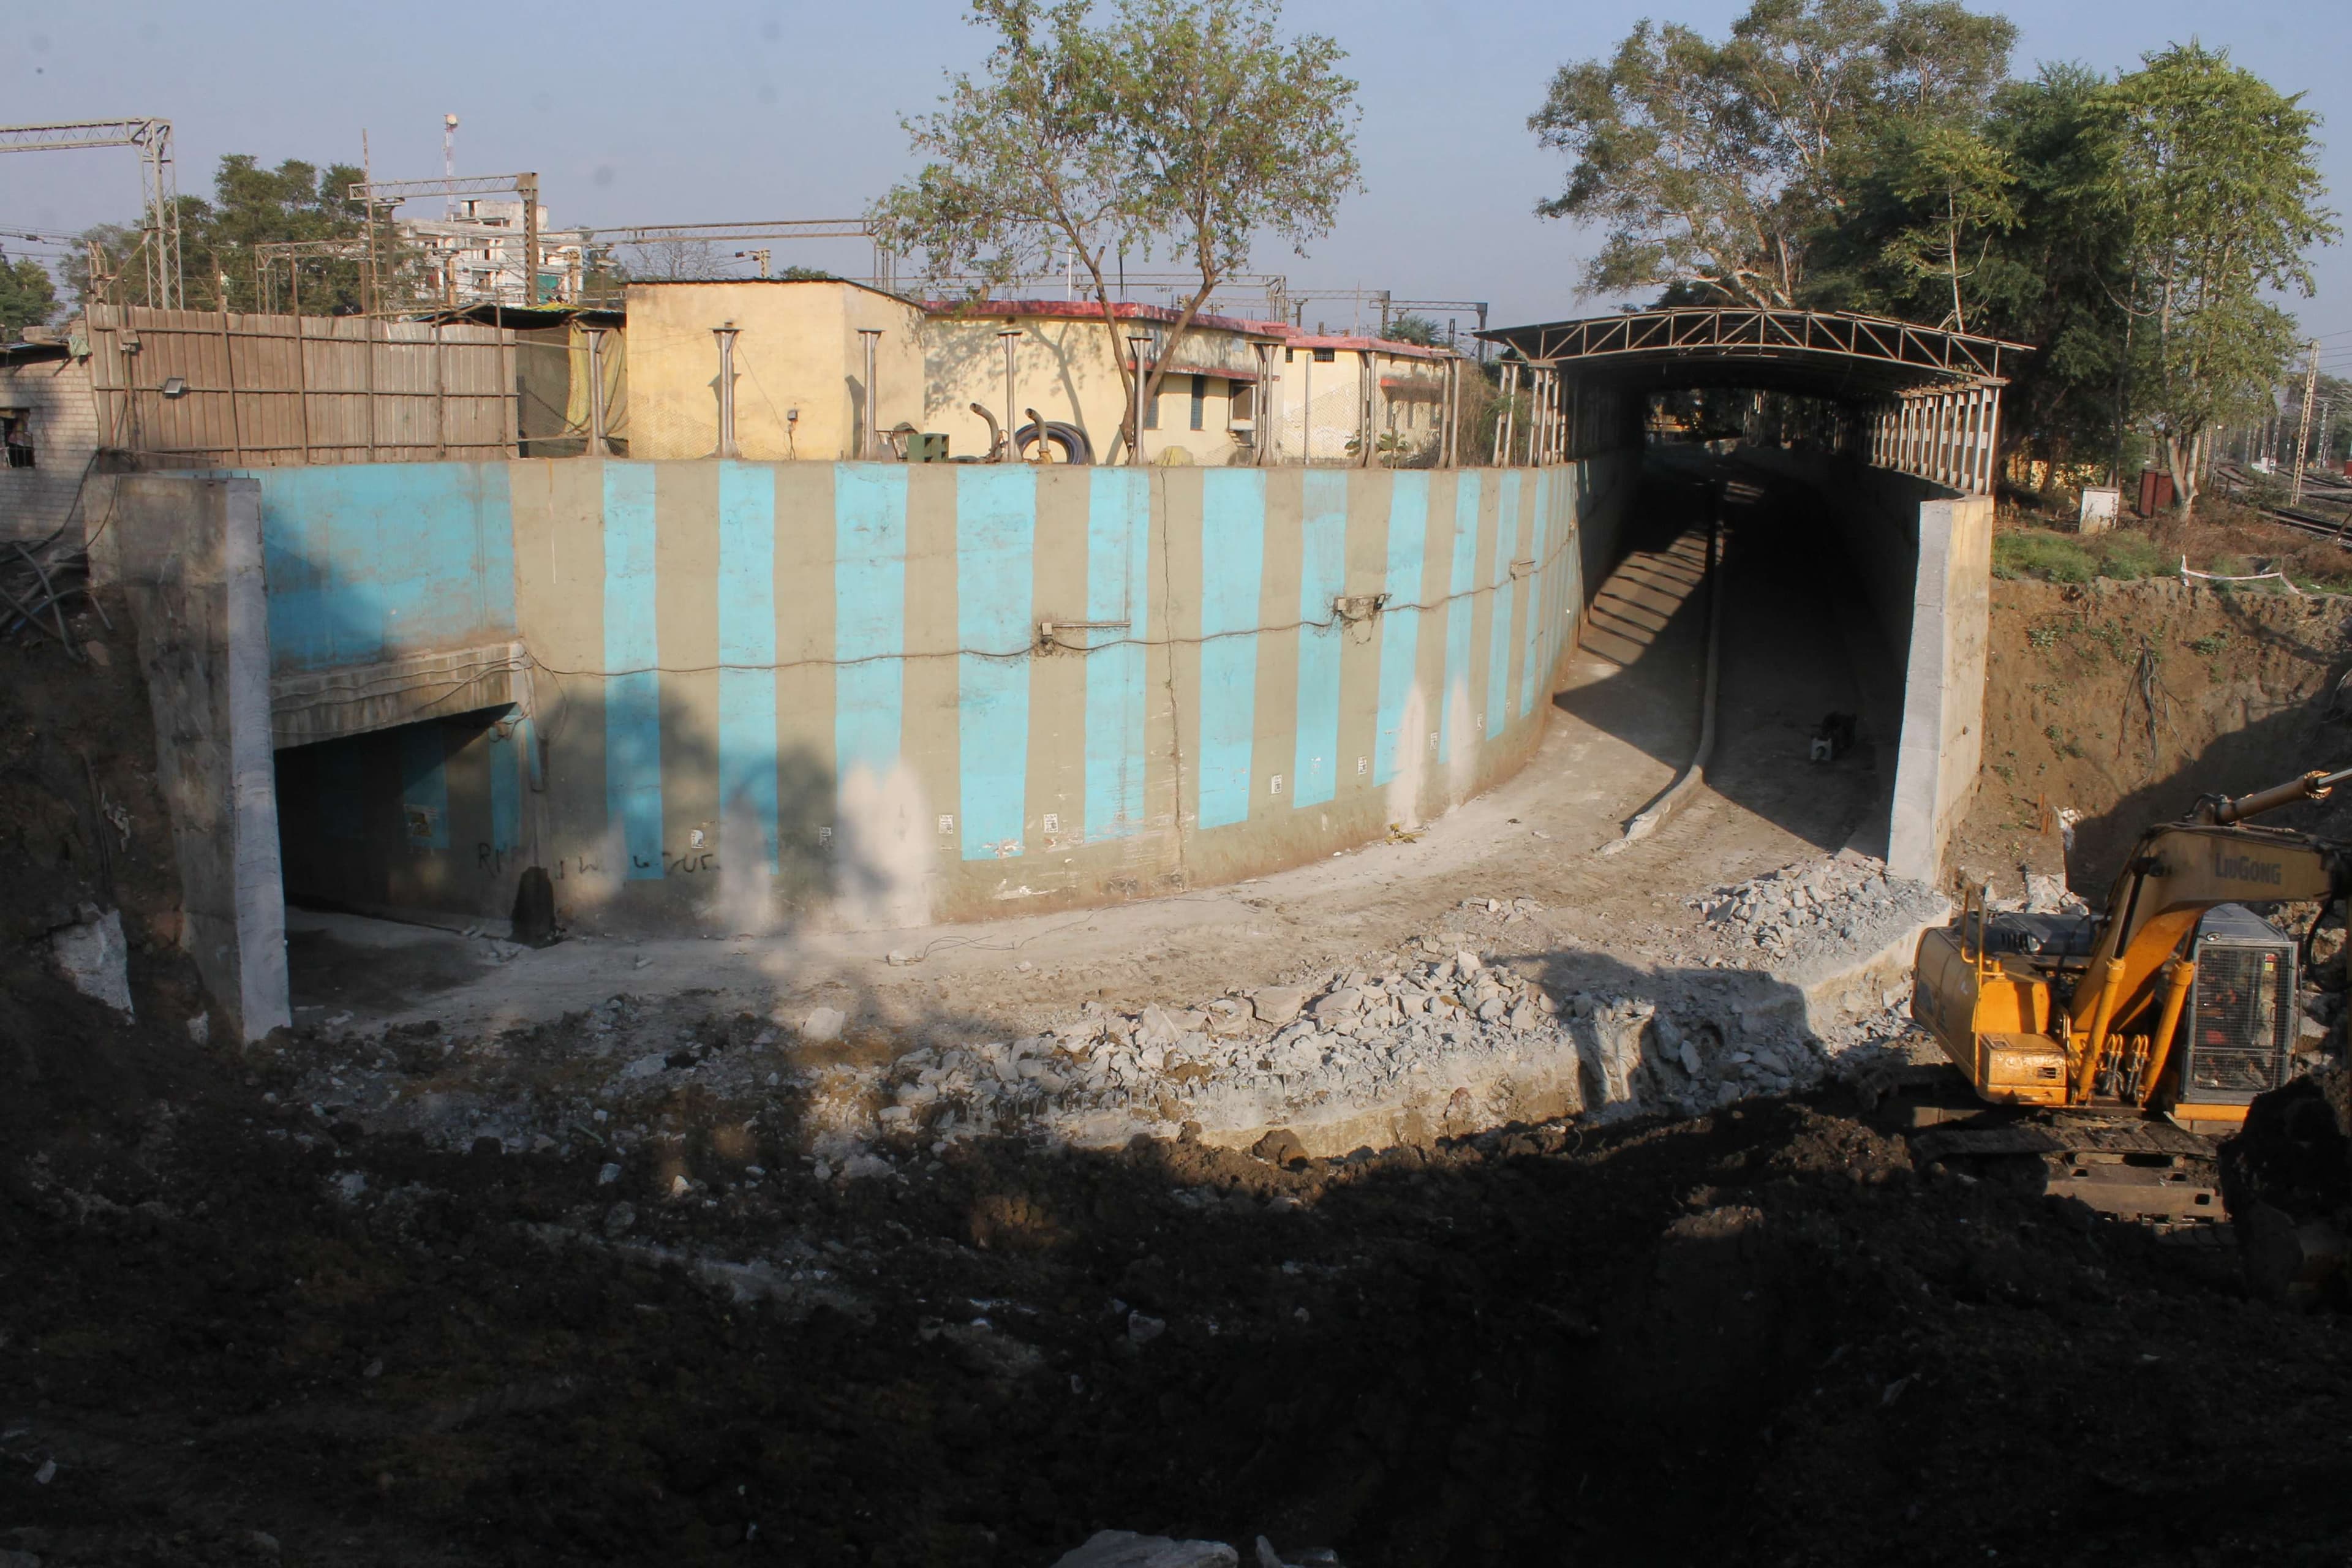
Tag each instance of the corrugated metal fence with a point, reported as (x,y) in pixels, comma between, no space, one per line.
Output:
(272,391)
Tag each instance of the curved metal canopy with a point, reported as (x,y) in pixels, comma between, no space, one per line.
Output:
(1820,353)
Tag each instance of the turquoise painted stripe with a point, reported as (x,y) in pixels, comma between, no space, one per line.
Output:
(425,785)
(1401,620)
(1498,661)
(996,537)
(505,784)
(1322,578)
(870,615)
(1119,559)
(1458,608)
(366,561)
(633,783)
(747,652)
(1233,558)
(1538,628)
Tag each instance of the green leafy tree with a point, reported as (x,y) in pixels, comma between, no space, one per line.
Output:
(28,296)
(222,240)
(1412,328)
(2216,175)
(1718,167)
(1189,126)
(1234,133)
(1962,185)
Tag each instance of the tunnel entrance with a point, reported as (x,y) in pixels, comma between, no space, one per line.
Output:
(424,819)
(1798,650)
(1889,431)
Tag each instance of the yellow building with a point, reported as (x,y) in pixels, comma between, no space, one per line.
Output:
(798,354)
(799,360)
(1063,369)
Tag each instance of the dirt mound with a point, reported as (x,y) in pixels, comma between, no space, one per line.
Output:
(2124,702)
(1754,1337)
(83,829)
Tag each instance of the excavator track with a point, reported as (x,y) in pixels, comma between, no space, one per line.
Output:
(2128,1166)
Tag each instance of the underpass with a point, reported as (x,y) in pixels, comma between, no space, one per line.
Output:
(1512,659)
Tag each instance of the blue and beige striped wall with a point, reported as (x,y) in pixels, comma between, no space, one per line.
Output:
(890,694)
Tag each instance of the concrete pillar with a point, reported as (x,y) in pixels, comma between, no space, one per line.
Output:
(1943,702)
(187,552)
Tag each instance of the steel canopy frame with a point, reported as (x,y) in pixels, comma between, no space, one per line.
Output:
(160,181)
(1709,331)
(1924,401)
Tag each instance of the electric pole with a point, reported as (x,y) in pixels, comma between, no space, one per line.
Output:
(2303,426)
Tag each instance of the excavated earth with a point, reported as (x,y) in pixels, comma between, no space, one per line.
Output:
(668,1280)
(231,1331)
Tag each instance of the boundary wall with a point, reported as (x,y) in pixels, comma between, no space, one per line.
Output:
(1923,553)
(727,696)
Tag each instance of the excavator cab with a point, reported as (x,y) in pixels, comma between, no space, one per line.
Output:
(2242,1022)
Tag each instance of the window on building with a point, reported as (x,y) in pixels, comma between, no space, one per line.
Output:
(1240,410)
(1151,406)
(1199,402)
(16,431)
(1325,356)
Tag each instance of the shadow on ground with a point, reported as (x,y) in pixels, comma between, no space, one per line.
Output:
(1755,1336)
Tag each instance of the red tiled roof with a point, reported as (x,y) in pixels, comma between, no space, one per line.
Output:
(1091,310)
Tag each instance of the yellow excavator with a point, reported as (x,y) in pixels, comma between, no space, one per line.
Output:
(2140,1034)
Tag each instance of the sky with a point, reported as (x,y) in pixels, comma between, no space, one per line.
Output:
(772,109)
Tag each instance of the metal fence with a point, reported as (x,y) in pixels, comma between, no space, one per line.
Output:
(205,388)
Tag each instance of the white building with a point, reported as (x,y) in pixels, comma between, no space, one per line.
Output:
(475,257)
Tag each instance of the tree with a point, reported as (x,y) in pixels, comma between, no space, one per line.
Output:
(677,262)
(27,297)
(221,240)
(1187,125)
(1718,166)
(1413,329)
(1234,133)
(2216,175)
(1964,183)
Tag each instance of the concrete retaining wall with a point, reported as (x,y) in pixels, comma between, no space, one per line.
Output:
(765,691)
(1925,557)
(187,554)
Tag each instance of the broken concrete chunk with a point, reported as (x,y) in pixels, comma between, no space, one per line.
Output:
(1344,1003)
(94,958)
(1278,1005)
(1126,1549)
(824,1025)
(646,1067)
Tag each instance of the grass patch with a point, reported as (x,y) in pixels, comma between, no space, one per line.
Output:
(2055,557)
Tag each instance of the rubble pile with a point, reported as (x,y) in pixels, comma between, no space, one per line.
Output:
(1461,1042)
(1805,912)
(1438,1037)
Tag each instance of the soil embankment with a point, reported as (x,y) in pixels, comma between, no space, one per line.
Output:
(2124,702)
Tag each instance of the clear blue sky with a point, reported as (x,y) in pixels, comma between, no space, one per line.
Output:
(640,113)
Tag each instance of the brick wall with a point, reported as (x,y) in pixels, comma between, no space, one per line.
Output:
(35,501)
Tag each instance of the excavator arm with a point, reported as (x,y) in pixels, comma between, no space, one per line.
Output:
(2175,875)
